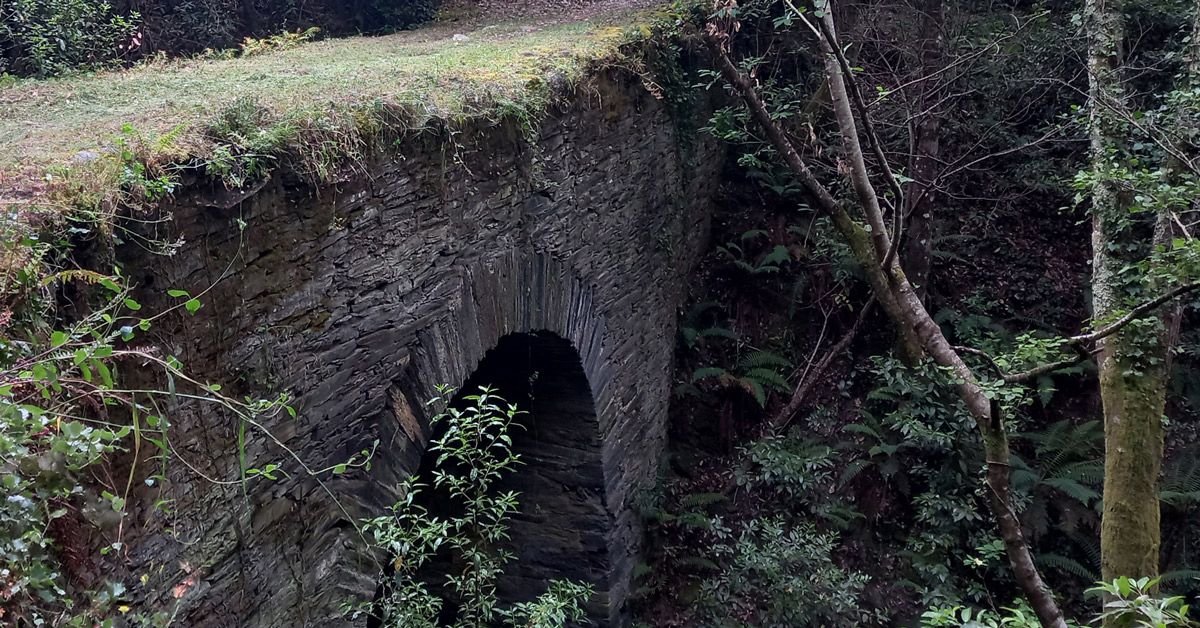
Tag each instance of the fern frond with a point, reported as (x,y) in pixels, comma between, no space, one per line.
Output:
(717,332)
(863,428)
(1088,544)
(700,500)
(756,389)
(1066,564)
(1024,479)
(753,233)
(1089,472)
(1083,494)
(1182,474)
(694,520)
(746,267)
(777,256)
(1179,576)
(707,372)
(768,377)
(852,471)
(699,562)
(763,359)
(84,276)
(1178,499)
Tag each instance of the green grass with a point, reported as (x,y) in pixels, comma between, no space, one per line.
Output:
(424,73)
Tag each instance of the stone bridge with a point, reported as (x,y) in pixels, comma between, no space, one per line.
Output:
(553,268)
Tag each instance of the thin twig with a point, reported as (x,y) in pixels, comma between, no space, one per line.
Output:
(785,416)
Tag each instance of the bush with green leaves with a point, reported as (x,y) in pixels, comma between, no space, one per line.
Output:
(1130,602)
(63,409)
(472,455)
(1019,615)
(777,575)
(194,26)
(1133,602)
(52,37)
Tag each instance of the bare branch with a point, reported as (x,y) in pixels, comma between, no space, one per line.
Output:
(1133,315)
(806,383)
(860,106)
(758,110)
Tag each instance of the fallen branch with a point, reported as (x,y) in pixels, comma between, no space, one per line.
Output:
(805,385)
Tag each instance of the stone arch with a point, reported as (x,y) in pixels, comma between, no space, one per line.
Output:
(515,315)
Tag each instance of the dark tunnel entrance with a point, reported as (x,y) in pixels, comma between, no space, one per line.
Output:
(560,530)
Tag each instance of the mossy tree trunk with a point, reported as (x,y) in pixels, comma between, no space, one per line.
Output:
(1133,363)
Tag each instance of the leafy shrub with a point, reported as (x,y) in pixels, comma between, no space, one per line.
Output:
(1019,615)
(192,26)
(63,410)
(794,466)
(472,455)
(776,576)
(51,37)
(1133,603)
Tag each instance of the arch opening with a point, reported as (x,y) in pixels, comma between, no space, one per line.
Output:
(561,528)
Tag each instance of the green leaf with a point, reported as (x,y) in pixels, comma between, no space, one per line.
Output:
(179,293)
(192,305)
(133,305)
(58,339)
(777,256)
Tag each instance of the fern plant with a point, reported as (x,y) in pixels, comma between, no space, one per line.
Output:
(694,330)
(742,257)
(1181,480)
(1068,461)
(756,374)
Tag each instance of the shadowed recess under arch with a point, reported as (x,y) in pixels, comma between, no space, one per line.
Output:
(561,528)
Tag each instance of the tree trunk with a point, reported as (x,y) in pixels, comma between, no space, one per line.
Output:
(923,162)
(1133,363)
(916,319)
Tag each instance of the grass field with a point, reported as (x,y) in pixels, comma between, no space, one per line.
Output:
(444,71)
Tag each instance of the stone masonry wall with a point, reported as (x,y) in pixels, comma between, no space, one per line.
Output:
(359,298)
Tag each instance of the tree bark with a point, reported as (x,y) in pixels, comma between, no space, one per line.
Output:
(1133,362)
(923,163)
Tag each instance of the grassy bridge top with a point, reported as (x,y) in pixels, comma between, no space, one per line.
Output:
(168,108)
